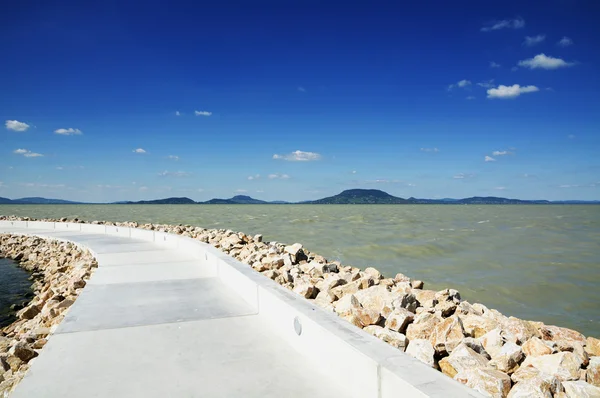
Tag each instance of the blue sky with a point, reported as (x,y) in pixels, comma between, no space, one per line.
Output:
(297,100)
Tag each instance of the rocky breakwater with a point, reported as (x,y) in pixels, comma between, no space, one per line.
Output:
(59,271)
(497,355)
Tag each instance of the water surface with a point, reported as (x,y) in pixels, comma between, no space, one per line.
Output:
(14,285)
(534,262)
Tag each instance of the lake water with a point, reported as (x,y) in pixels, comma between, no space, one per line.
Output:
(533,262)
(14,285)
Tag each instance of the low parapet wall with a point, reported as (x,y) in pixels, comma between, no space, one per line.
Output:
(364,365)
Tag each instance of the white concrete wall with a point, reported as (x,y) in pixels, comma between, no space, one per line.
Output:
(363,365)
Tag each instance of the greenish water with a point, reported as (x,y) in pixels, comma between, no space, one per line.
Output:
(533,262)
(14,286)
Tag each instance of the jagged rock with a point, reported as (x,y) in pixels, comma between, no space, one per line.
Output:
(29,312)
(373,273)
(401,278)
(555,333)
(461,359)
(507,359)
(518,331)
(564,365)
(391,337)
(408,301)
(593,372)
(23,351)
(531,388)
(448,295)
(367,316)
(375,298)
(348,288)
(426,297)
(489,382)
(422,326)
(447,334)
(306,290)
(446,308)
(346,305)
(417,284)
(477,326)
(399,320)
(536,347)
(475,345)
(580,389)
(422,350)
(592,346)
(466,308)
(492,341)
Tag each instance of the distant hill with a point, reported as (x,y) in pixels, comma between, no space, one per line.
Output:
(37,201)
(239,200)
(360,196)
(167,201)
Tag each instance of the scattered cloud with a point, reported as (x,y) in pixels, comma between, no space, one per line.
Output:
(143,188)
(592,185)
(489,159)
(462,84)
(278,176)
(69,131)
(486,84)
(501,153)
(105,186)
(509,92)
(571,136)
(167,173)
(500,188)
(429,150)
(173,157)
(353,171)
(383,181)
(139,150)
(59,168)
(494,64)
(177,113)
(38,185)
(543,61)
(470,97)
(531,41)
(301,89)
(254,177)
(241,190)
(298,156)
(202,113)
(463,176)
(526,175)
(259,191)
(27,153)
(516,23)
(15,125)
(565,42)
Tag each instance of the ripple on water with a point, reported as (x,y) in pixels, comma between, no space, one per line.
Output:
(14,286)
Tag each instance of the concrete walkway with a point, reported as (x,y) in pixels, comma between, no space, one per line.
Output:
(154,322)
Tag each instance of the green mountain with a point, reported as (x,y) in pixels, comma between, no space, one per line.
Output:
(167,201)
(360,196)
(236,200)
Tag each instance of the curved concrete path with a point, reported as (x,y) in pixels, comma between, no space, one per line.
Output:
(165,316)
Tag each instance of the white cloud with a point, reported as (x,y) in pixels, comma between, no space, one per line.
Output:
(429,150)
(494,64)
(241,190)
(69,131)
(489,159)
(470,97)
(486,84)
(27,153)
(177,113)
(516,23)
(15,125)
(510,91)
(542,61)
(167,173)
(38,185)
(501,153)
(383,181)
(278,176)
(462,176)
(565,42)
(353,171)
(202,113)
(571,136)
(254,177)
(139,150)
(59,168)
(173,157)
(462,84)
(500,188)
(301,89)
(533,40)
(298,156)
(143,188)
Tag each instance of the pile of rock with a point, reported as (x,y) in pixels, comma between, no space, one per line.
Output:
(59,271)
(497,355)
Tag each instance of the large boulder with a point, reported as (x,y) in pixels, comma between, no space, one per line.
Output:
(508,358)
(477,326)
(375,298)
(564,365)
(593,372)
(519,331)
(492,341)
(461,359)
(592,346)
(346,305)
(406,300)
(399,320)
(426,297)
(561,335)
(581,389)
(531,388)
(526,373)
(535,347)
(422,326)
(489,382)
(422,350)
(446,335)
